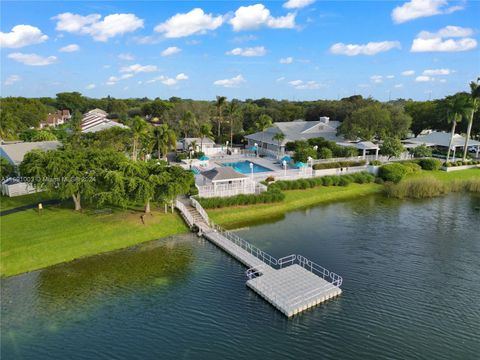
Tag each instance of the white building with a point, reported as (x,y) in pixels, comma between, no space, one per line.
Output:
(96,120)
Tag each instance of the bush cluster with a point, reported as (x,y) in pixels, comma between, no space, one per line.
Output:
(271,196)
(333,180)
(393,172)
(429,164)
(461,163)
(375,163)
(338,164)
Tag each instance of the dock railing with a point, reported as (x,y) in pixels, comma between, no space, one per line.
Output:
(184,211)
(200,209)
(319,270)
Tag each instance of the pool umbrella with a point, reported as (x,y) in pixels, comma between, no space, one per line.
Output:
(300,164)
(286,158)
(253,148)
(204,158)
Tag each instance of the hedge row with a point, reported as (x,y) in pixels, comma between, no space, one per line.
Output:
(338,164)
(270,196)
(333,180)
(461,163)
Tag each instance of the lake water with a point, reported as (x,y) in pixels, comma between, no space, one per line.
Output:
(411,289)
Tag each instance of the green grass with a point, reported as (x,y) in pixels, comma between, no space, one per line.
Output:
(13,202)
(449,176)
(30,241)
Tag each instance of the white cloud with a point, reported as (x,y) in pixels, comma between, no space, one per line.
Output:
(230,83)
(70,48)
(255,16)
(297,4)
(126,57)
(376,79)
(287,60)
(137,68)
(168,81)
(281,78)
(253,51)
(90,86)
(421,8)
(12,79)
(304,85)
(438,42)
(390,77)
(424,78)
(431,72)
(170,51)
(193,22)
(101,30)
(398,86)
(370,48)
(408,72)
(32,59)
(22,35)
(112,80)
(245,38)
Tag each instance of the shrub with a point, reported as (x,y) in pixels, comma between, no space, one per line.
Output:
(344,181)
(375,163)
(392,172)
(339,164)
(325,153)
(430,164)
(412,167)
(421,151)
(379,180)
(273,194)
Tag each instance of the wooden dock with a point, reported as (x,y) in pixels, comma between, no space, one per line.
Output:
(291,284)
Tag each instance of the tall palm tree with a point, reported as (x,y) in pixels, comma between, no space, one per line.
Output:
(475,104)
(221,101)
(205,131)
(264,122)
(456,105)
(280,136)
(233,113)
(138,128)
(165,139)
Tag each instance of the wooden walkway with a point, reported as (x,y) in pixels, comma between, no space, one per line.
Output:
(291,284)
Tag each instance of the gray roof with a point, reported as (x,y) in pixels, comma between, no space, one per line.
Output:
(223,174)
(437,138)
(298,130)
(16,152)
(206,140)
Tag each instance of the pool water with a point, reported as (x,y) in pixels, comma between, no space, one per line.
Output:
(244,167)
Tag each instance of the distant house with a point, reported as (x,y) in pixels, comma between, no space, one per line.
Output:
(294,130)
(15,152)
(207,143)
(97,120)
(55,119)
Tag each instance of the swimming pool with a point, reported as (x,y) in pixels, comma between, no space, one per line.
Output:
(244,167)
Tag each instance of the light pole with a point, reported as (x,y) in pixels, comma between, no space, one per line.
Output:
(284,167)
(315,147)
(251,169)
(256,149)
(309,161)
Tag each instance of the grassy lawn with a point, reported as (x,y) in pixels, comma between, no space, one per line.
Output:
(238,216)
(30,241)
(13,202)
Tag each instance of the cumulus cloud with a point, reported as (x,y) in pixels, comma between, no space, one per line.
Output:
(415,9)
(22,35)
(112,80)
(432,72)
(253,51)
(256,16)
(230,83)
(172,50)
(70,48)
(444,40)
(168,81)
(32,59)
(297,4)
(377,79)
(287,60)
(193,22)
(408,72)
(100,30)
(304,85)
(126,57)
(137,68)
(424,78)
(12,79)
(90,86)
(390,77)
(370,48)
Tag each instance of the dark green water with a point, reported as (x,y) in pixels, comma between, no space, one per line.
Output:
(411,290)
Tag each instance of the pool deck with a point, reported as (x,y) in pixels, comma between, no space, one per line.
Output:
(291,284)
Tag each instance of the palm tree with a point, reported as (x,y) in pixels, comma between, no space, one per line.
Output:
(138,128)
(187,123)
(205,131)
(264,122)
(233,112)
(165,139)
(221,101)
(280,136)
(475,104)
(457,105)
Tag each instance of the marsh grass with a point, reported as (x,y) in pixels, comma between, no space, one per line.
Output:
(427,187)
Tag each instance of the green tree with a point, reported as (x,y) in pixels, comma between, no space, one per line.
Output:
(219,104)
(43,135)
(156,108)
(279,137)
(138,128)
(392,147)
(187,123)
(6,168)
(457,106)
(366,123)
(422,151)
(73,101)
(165,139)
(421,113)
(325,153)
(233,111)
(205,132)
(474,104)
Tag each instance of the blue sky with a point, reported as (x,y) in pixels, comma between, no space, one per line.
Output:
(296,49)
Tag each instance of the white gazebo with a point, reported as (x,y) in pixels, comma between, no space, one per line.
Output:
(362,145)
(224,181)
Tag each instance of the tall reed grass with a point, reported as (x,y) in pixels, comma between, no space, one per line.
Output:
(428,187)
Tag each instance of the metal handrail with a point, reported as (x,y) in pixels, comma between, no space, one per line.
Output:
(184,211)
(200,209)
(290,260)
(334,278)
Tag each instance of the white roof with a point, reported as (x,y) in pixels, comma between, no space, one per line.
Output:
(437,138)
(16,152)
(99,126)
